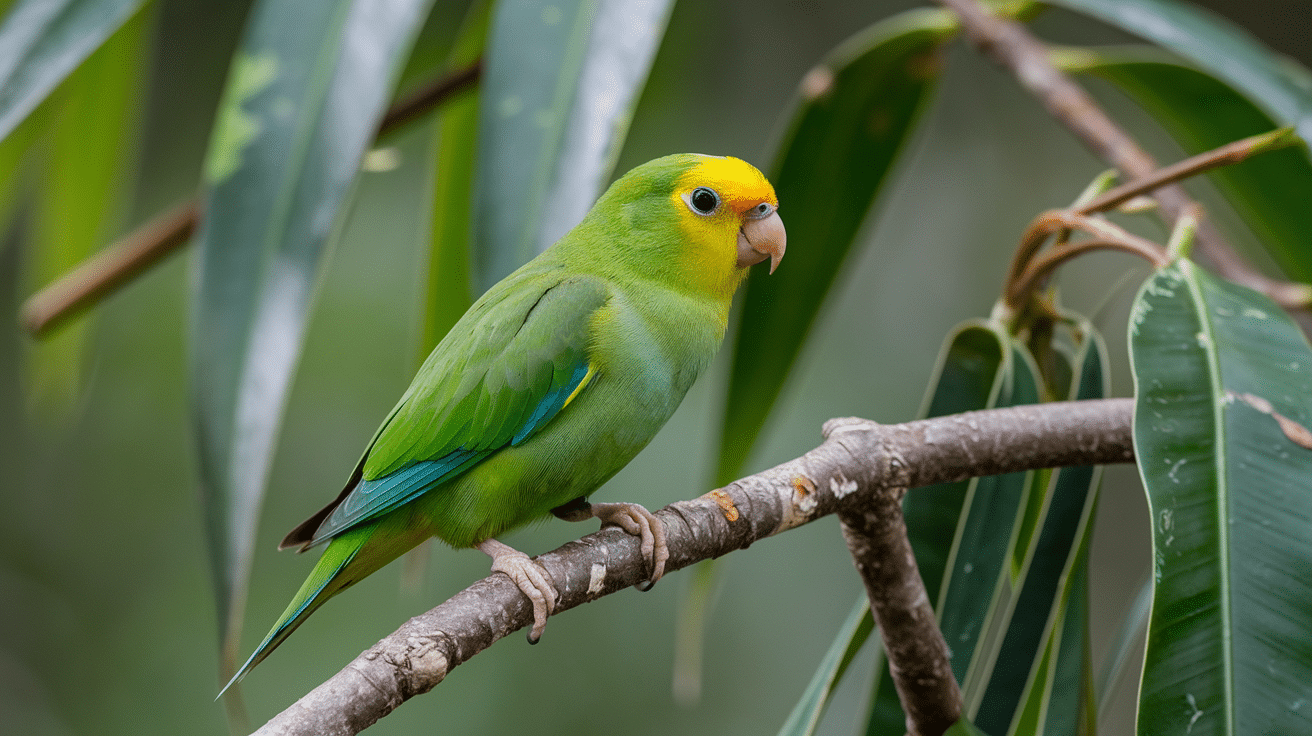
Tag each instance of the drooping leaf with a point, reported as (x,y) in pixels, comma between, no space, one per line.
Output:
(854,112)
(43,41)
(84,161)
(1050,564)
(559,87)
(977,593)
(302,102)
(1215,45)
(1202,113)
(849,640)
(1223,398)
(449,292)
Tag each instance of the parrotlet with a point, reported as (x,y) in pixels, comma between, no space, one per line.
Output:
(550,383)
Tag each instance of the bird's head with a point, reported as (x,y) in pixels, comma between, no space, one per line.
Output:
(722,200)
(696,221)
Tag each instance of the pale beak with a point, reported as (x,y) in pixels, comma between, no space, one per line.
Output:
(761,238)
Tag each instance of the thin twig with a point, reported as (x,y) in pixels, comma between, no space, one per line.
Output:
(1012,46)
(1040,268)
(857,457)
(118,263)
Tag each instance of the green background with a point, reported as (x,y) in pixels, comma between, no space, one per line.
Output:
(106,618)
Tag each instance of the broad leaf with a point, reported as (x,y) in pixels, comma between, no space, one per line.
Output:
(1202,113)
(302,102)
(559,87)
(1223,397)
(854,112)
(1216,45)
(43,41)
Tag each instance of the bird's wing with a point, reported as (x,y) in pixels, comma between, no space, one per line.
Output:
(507,368)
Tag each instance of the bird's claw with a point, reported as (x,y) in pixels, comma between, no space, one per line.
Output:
(532,579)
(643,524)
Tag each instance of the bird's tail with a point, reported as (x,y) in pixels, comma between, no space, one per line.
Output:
(347,559)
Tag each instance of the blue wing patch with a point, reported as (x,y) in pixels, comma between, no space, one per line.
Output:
(372,498)
(552,403)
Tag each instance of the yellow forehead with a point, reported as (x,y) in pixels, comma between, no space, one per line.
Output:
(739,184)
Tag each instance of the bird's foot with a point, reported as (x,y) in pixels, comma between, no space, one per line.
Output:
(643,524)
(531,578)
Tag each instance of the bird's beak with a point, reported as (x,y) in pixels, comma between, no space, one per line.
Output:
(761,238)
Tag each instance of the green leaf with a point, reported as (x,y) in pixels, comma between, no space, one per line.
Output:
(851,636)
(854,112)
(449,292)
(560,84)
(43,41)
(977,589)
(1026,658)
(83,158)
(963,727)
(1269,191)
(302,102)
(973,372)
(1223,396)
(1215,45)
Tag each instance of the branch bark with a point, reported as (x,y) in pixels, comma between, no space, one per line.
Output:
(857,460)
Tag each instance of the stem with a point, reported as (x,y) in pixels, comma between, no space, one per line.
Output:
(1042,267)
(96,278)
(1012,46)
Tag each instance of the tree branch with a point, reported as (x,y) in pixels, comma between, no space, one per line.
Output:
(1012,46)
(125,259)
(858,458)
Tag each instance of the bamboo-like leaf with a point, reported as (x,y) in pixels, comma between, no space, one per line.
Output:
(449,292)
(1202,113)
(84,157)
(559,87)
(1216,45)
(1223,397)
(854,112)
(302,102)
(851,636)
(43,41)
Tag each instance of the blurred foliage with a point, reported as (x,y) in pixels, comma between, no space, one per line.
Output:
(906,166)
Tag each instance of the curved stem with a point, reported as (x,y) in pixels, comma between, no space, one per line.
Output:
(1039,269)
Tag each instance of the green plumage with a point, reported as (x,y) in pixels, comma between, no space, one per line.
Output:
(550,383)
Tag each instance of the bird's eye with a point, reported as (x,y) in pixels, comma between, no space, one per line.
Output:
(703,200)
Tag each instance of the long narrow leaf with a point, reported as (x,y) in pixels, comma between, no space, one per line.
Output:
(851,636)
(1269,191)
(85,157)
(560,83)
(1214,44)
(854,112)
(43,41)
(449,293)
(1223,398)
(973,372)
(1050,562)
(302,102)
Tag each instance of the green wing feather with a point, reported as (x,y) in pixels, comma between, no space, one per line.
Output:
(503,372)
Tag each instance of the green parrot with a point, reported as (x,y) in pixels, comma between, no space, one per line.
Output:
(550,383)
